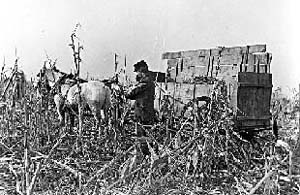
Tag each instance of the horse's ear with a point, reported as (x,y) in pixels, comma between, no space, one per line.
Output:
(54,63)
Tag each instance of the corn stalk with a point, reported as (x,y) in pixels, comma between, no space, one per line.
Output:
(77,60)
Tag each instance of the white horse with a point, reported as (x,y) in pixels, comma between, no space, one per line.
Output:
(95,95)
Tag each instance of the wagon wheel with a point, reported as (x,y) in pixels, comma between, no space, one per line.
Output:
(200,112)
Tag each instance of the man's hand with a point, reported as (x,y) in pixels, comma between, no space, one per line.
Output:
(127,92)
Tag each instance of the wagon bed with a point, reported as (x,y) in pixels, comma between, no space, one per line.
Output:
(245,70)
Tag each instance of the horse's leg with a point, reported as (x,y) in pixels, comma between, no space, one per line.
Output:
(72,119)
(59,103)
(104,116)
(97,115)
(61,116)
(106,106)
(69,117)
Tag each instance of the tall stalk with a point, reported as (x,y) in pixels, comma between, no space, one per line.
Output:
(77,60)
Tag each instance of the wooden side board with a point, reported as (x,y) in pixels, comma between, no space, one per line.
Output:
(180,93)
(245,71)
(215,51)
(229,59)
(186,68)
(249,95)
(254,97)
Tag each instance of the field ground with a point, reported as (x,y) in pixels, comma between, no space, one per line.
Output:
(187,155)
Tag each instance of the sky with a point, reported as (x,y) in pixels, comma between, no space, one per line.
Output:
(143,29)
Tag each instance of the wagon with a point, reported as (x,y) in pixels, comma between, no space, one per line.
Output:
(245,70)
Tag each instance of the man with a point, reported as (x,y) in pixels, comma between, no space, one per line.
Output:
(143,93)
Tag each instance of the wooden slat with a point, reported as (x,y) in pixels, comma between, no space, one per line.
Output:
(203,52)
(231,59)
(257,48)
(184,92)
(188,74)
(253,68)
(243,50)
(245,84)
(203,90)
(204,60)
(171,74)
(262,58)
(253,118)
(231,51)
(172,62)
(215,51)
(259,79)
(171,55)
(198,66)
(191,53)
(250,124)
(196,61)
(227,72)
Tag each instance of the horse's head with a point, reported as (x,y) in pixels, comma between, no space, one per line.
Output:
(109,82)
(49,79)
(114,84)
(58,80)
(53,75)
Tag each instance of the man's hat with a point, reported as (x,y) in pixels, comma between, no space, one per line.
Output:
(140,66)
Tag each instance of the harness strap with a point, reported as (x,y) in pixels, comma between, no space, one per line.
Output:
(66,102)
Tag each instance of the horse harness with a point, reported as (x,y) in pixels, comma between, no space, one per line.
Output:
(67,104)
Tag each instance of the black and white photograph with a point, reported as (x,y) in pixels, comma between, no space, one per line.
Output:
(138,97)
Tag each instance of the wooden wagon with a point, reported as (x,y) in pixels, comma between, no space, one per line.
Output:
(245,70)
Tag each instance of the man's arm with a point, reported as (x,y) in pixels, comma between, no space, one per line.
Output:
(136,91)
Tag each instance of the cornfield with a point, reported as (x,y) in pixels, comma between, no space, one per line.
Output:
(198,154)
